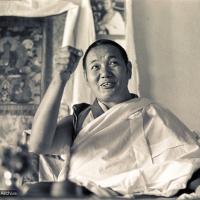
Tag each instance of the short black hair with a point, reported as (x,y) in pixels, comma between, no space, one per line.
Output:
(102,42)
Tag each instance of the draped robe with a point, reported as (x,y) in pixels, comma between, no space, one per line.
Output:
(136,147)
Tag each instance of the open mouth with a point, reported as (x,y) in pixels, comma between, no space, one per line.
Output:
(107,85)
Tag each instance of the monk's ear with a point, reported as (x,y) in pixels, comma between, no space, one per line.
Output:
(129,69)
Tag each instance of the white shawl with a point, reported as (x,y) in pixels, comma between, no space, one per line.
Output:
(135,147)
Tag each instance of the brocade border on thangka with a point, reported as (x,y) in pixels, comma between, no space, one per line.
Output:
(23,109)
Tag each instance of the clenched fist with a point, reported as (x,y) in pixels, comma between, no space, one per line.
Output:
(66,61)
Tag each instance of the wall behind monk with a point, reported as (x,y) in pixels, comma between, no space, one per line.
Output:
(168,47)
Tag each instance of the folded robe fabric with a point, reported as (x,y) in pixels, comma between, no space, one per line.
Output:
(136,147)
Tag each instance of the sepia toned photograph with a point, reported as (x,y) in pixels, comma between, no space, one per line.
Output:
(99,99)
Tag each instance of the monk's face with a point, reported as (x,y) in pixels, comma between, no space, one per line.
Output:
(107,4)
(107,74)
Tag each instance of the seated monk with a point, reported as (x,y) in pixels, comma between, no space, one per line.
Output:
(122,144)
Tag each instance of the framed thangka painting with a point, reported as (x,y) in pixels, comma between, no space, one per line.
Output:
(22,62)
(109,18)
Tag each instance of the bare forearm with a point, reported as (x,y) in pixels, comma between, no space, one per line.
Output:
(45,120)
(44,130)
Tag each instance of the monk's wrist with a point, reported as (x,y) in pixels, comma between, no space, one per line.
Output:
(61,78)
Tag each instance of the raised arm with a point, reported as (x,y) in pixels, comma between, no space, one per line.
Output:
(45,131)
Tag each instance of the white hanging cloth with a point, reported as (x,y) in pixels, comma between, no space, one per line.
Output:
(35,8)
(130,47)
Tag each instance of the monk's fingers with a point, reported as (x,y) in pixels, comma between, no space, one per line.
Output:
(68,65)
(61,68)
(73,63)
(63,61)
(68,50)
(62,56)
(75,51)
(66,59)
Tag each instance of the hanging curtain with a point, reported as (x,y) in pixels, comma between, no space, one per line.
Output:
(35,8)
(130,47)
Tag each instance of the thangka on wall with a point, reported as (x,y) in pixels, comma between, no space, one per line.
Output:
(109,17)
(21,62)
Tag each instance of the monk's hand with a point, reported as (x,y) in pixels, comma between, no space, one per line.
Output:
(66,61)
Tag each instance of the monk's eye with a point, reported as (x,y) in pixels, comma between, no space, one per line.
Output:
(95,67)
(113,63)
